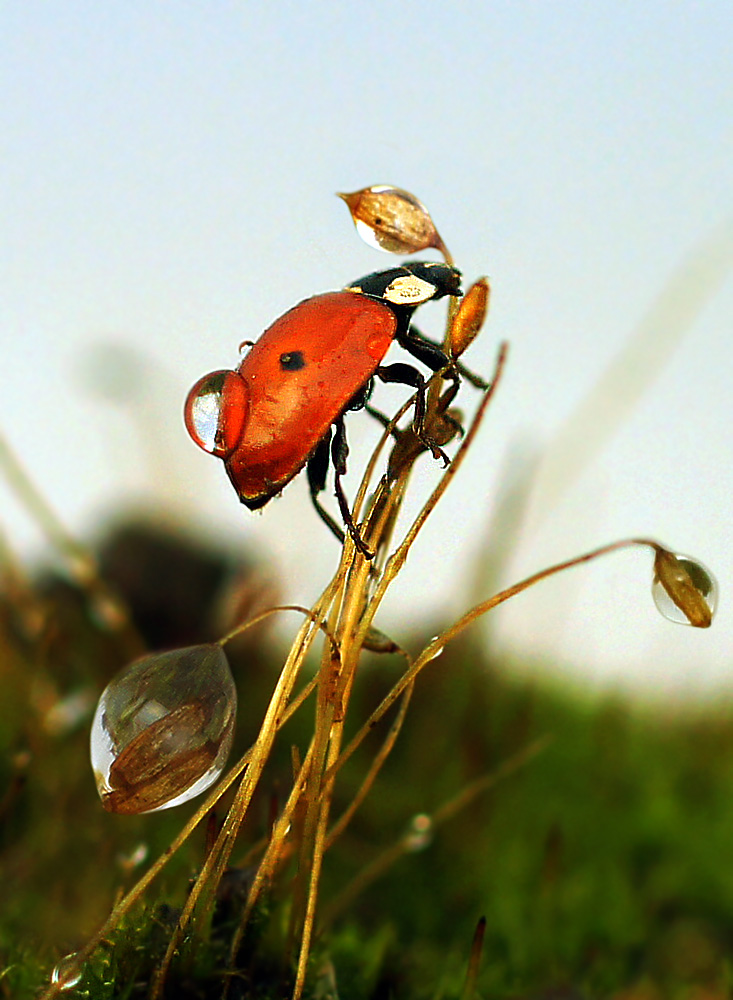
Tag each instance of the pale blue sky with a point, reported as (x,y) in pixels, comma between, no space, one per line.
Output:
(166,186)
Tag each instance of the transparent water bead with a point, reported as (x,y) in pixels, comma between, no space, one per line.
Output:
(392,219)
(163,729)
(420,833)
(684,590)
(64,975)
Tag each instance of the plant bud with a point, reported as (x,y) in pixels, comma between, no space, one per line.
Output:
(684,591)
(470,317)
(392,220)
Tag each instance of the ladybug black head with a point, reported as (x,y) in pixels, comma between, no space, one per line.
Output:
(411,284)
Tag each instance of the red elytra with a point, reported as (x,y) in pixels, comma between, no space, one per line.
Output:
(284,407)
(267,418)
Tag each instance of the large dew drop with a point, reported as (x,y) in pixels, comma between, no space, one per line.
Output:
(65,975)
(163,729)
(392,219)
(684,590)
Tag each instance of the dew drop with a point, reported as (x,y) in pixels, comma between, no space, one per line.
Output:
(684,590)
(128,862)
(420,833)
(434,653)
(65,975)
(203,410)
(392,219)
(373,239)
(216,411)
(163,729)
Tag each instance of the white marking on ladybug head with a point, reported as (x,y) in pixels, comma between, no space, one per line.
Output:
(409,290)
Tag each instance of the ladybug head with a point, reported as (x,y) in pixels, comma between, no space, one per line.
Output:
(411,284)
(216,411)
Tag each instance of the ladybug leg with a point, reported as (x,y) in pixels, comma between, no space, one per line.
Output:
(361,402)
(339,454)
(434,357)
(431,354)
(407,375)
(360,399)
(317,470)
(445,401)
(416,342)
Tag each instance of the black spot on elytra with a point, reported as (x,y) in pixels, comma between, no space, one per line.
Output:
(292,361)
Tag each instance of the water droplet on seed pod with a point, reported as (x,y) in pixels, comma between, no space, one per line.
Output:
(684,590)
(391,219)
(163,729)
(420,832)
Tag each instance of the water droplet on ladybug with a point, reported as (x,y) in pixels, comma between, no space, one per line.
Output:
(64,975)
(215,412)
(163,729)
(684,590)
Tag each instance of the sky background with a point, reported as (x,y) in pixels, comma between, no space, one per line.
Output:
(167,186)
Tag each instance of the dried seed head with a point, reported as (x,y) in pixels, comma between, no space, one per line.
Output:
(393,220)
(684,591)
(470,317)
(377,642)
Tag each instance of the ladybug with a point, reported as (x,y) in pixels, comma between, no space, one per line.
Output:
(283,408)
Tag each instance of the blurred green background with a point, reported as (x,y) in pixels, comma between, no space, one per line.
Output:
(601,865)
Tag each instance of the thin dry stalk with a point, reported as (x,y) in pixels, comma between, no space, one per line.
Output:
(469,987)
(337,683)
(343,821)
(276,852)
(202,893)
(353,620)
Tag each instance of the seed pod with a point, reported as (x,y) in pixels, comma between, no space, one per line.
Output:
(684,591)
(470,317)
(377,642)
(393,220)
(147,774)
(163,729)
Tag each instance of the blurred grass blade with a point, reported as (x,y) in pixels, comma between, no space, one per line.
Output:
(640,361)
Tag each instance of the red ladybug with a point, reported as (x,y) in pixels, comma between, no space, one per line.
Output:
(276,412)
